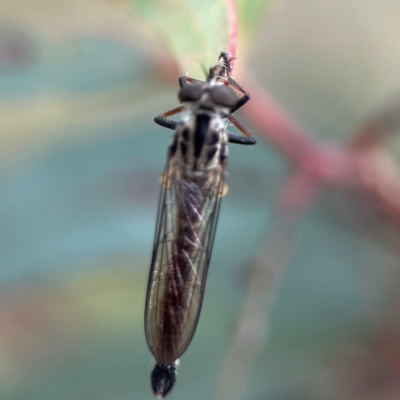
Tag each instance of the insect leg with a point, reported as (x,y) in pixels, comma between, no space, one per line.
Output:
(240,103)
(230,81)
(168,123)
(239,139)
(225,60)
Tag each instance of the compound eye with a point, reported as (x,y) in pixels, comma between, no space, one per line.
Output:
(223,96)
(191,92)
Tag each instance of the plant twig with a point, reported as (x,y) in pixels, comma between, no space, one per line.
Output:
(232,30)
(253,321)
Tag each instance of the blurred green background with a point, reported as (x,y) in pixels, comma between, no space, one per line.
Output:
(80,156)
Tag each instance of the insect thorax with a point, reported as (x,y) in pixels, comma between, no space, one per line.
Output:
(199,142)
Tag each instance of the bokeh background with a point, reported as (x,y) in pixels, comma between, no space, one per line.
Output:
(80,156)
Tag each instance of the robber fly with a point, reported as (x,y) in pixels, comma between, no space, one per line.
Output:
(192,186)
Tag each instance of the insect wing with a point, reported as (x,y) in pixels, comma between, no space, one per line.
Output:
(186,222)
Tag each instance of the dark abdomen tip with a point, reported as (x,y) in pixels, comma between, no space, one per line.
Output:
(162,379)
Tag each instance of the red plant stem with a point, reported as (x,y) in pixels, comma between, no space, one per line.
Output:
(298,193)
(319,161)
(273,122)
(232,30)
(363,164)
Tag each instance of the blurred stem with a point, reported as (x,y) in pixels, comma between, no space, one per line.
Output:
(232,30)
(383,121)
(253,322)
(379,177)
(275,123)
(363,164)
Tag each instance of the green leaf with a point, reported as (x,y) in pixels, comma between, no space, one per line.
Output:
(195,32)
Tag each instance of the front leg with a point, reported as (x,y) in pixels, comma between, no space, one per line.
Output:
(168,123)
(240,139)
(240,103)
